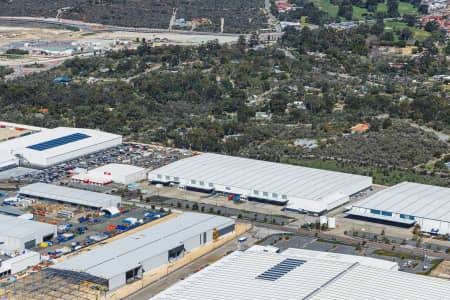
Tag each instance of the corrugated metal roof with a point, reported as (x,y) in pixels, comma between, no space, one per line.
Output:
(363,260)
(412,199)
(110,172)
(19,145)
(235,277)
(127,253)
(70,195)
(123,169)
(20,228)
(249,174)
(11,211)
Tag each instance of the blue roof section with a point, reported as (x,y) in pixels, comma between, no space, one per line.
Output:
(281,269)
(59,141)
(62,79)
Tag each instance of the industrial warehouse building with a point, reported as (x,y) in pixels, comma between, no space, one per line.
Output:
(408,203)
(118,173)
(19,263)
(345,258)
(53,146)
(7,161)
(129,258)
(67,195)
(264,275)
(299,188)
(17,233)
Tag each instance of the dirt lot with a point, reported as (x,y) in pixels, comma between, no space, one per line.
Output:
(442,271)
(10,132)
(12,34)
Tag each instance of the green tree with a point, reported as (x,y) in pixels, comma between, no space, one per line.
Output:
(392,10)
(405,34)
(387,36)
(372,5)
(346,9)
(387,123)
(431,26)
(254,40)
(409,19)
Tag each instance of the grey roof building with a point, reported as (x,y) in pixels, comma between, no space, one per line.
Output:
(290,276)
(299,188)
(132,256)
(68,195)
(409,203)
(17,233)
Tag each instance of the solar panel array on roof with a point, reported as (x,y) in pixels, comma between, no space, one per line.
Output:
(281,269)
(59,141)
(234,277)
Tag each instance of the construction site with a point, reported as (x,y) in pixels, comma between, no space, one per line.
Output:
(122,264)
(49,46)
(9,133)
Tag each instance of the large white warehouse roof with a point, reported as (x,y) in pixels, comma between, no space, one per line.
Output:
(338,257)
(53,146)
(413,199)
(407,203)
(301,188)
(119,173)
(70,195)
(127,253)
(263,275)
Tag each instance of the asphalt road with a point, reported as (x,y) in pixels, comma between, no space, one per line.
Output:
(102,27)
(398,247)
(172,278)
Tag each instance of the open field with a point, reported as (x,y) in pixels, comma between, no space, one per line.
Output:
(326,6)
(419,34)
(360,13)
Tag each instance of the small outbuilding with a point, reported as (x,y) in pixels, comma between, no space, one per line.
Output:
(118,173)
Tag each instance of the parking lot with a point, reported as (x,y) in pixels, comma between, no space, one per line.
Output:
(406,263)
(88,228)
(220,210)
(146,156)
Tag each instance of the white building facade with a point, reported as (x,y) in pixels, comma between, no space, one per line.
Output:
(119,173)
(147,250)
(54,146)
(297,188)
(17,233)
(407,204)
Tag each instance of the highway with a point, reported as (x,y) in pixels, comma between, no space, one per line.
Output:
(101,27)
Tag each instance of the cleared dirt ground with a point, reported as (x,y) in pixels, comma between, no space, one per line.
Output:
(442,271)
(9,132)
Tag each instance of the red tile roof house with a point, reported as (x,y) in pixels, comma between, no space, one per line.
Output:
(360,128)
